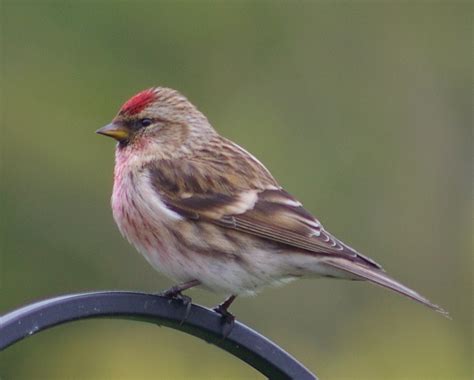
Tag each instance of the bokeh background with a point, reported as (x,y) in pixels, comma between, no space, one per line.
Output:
(361,110)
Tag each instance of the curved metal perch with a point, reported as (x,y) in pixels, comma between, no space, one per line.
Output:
(242,342)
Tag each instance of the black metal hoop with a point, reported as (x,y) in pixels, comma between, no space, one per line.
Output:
(242,342)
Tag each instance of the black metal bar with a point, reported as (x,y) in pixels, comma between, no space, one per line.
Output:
(242,342)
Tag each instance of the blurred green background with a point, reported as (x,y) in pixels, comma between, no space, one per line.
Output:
(361,110)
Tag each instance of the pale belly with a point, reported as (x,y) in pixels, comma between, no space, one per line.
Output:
(236,269)
(223,260)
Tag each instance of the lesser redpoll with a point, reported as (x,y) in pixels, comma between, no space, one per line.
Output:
(205,212)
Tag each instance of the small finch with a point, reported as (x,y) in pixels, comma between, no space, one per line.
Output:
(205,212)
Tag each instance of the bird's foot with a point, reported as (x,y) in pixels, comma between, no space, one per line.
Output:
(228,319)
(175,293)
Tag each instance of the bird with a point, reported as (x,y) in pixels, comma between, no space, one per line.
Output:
(206,213)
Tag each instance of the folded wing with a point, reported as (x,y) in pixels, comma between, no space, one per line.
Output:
(261,208)
(266,211)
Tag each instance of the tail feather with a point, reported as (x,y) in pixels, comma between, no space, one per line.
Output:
(378,277)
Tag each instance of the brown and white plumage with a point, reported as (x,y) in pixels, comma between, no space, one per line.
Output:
(199,207)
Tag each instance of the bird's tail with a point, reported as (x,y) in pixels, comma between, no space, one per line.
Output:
(379,277)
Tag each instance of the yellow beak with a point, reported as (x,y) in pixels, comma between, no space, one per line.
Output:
(117,131)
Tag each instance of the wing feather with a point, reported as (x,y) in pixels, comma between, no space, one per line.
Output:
(264,210)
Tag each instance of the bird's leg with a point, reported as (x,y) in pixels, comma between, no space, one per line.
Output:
(227,317)
(175,293)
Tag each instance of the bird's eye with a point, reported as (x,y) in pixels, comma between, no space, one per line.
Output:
(145,122)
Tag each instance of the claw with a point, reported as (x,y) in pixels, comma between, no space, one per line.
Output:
(228,319)
(187,302)
(178,296)
(174,293)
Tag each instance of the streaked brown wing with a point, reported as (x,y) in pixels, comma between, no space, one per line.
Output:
(270,213)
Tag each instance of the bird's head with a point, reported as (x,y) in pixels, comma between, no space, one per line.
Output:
(160,117)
